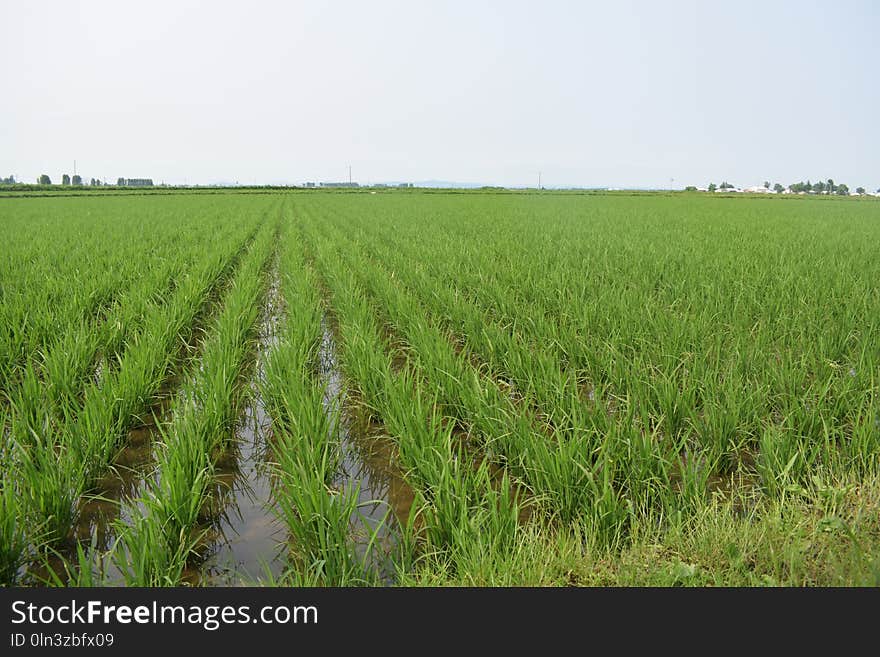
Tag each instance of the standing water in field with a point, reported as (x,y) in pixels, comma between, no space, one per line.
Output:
(97,511)
(368,461)
(245,540)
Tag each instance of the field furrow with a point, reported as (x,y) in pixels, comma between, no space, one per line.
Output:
(154,549)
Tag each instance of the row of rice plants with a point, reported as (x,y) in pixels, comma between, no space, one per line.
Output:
(305,442)
(461,517)
(45,478)
(154,548)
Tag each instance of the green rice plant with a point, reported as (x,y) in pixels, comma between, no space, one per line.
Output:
(780,459)
(14,531)
(86,571)
(185,473)
(202,418)
(147,553)
(318,513)
(625,364)
(63,461)
(454,500)
(50,485)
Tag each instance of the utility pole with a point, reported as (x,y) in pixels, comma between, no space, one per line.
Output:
(349,174)
(74,167)
(539,180)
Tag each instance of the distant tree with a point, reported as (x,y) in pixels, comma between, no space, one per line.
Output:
(766,184)
(778,188)
(860,190)
(91,182)
(819,187)
(841,190)
(120,182)
(830,186)
(65,179)
(76,180)
(712,187)
(44,180)
(690,188)
(726,185)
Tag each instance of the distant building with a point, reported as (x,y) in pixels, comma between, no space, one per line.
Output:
(309,184)
(339,184)
(135,182)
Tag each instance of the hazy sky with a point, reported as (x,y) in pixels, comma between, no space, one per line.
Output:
(590,93)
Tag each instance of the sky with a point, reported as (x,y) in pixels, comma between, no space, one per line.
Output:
(589,94)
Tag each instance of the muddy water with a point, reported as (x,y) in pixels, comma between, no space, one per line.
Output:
(244,539)
(133,467)
(124,480)
(369,461)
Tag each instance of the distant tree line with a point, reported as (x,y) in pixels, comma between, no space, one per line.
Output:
(808,187)
(66,179)
(821,187)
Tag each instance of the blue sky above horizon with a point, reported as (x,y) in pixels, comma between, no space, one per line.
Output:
(623,94)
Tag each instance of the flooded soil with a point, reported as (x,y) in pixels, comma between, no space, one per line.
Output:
(244,541)
(134,464)
(369,460)
(97,511)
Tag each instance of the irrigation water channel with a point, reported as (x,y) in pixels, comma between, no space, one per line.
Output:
(244,540)
(369,461)
(247,540)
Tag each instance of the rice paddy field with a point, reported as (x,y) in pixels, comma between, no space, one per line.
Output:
(421,389)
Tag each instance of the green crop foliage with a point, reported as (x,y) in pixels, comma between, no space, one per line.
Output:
(573,388)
